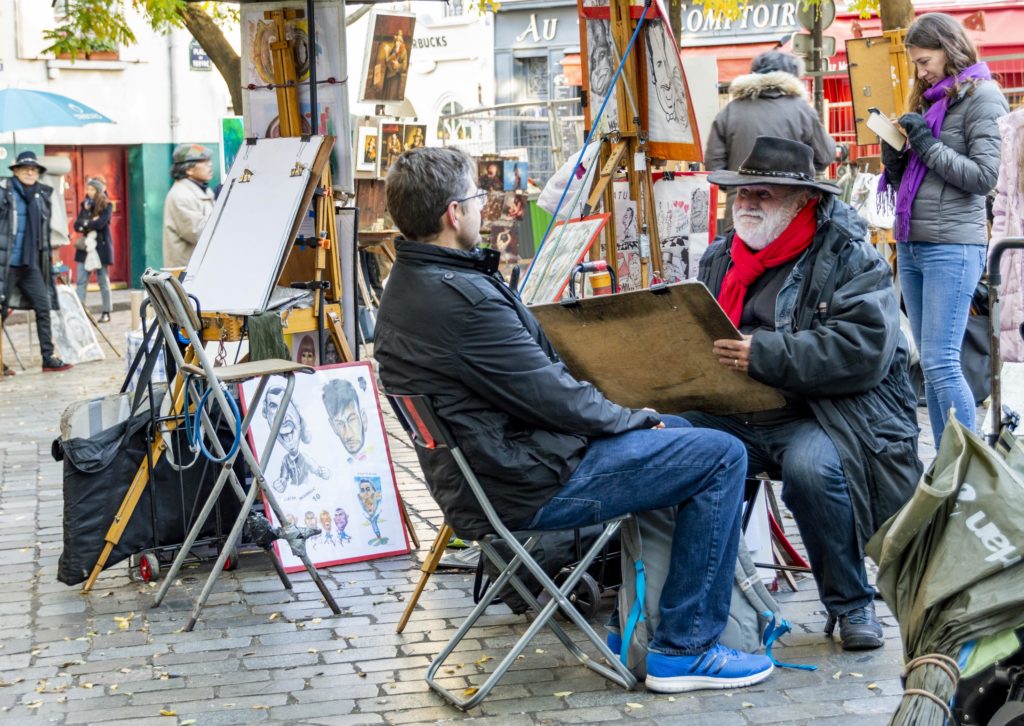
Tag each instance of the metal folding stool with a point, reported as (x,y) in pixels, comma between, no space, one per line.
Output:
(427,431)
(174,312)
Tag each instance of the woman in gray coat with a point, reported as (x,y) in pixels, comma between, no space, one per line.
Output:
(951,161)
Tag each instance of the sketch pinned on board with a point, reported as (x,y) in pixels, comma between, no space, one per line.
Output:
(601,69)
(665,83)
(73,335)
(293,438)
(564,247)
(344,446)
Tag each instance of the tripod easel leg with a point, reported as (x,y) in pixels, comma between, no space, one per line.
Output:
(429,566)
(408,524)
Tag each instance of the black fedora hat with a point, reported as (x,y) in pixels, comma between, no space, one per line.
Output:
(28,158)
(782,162)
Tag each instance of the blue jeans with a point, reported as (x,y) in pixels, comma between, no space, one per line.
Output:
(102,277)
(701,472)
(814,489)
(938,281)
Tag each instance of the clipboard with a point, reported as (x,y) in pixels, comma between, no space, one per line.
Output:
(653,348)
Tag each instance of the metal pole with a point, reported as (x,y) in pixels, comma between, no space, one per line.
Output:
(313,111)
(816,65)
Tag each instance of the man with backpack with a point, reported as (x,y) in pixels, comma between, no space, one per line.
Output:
(551,452)
(820,322)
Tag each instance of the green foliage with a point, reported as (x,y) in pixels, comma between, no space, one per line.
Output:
(94,25)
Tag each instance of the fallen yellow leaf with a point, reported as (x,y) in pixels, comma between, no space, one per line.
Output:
(259,707)
(634,705)
(856,675)
(470,691)
(872,686)
(33,704)
(562,694)
(835,676)
(483,659)
(274,616)
(166,712)
(86,685)
(745,704)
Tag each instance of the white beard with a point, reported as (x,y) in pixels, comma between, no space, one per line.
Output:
(760,229)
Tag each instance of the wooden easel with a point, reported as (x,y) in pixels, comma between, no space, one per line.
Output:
(318,261)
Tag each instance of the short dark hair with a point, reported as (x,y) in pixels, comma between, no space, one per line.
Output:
(421,184)
(339,393)
(772,61)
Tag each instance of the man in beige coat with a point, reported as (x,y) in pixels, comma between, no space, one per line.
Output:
(188,203)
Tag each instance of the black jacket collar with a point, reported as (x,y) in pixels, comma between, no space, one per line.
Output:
(478,258)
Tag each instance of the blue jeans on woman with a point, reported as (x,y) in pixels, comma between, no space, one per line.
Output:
(102,277)
(814,489)
(700,471)
(938,282)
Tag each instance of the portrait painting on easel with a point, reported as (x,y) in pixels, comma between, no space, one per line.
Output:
(565,246)
(330,467)
(386,61)
(366,149)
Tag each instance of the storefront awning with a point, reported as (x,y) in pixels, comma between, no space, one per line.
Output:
(733,60)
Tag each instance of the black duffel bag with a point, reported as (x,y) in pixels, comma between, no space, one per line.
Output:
(100,467)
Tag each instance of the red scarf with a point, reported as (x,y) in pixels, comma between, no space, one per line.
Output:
(748,265)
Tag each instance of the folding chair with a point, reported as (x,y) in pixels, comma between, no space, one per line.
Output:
(427,431)
(174,312)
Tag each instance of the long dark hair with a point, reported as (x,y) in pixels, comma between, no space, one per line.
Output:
(938,31)
(99,203)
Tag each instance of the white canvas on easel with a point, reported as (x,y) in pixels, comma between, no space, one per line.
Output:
(244,244)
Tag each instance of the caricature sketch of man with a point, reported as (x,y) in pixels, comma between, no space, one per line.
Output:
(340,522)
(666,77)
(310,522)
(599,56)
(673,253)
(325,525)
(369,499)
(295,466)
(699,216)
(347,418)
(629,224)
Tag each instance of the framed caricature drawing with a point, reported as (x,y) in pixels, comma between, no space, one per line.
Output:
(564,247)
(330,467)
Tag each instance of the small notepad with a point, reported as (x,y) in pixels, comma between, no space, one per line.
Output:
(886,130)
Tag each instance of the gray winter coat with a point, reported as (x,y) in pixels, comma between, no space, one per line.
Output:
(764,104)
(962,169)
(843,354)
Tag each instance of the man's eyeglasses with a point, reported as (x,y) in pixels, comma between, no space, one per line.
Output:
(478,198)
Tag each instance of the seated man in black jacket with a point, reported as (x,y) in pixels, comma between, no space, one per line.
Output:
(820,321)
(551,451)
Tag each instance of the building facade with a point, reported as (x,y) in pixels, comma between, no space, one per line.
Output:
(159,92)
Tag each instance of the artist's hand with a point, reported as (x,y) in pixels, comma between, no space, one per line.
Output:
(918,133)
(733,354)
(661,424)
(893,159)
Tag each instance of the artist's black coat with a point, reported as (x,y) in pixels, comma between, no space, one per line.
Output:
(450,329)
(847,360)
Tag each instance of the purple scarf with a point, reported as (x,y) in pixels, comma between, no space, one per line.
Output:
(916,169)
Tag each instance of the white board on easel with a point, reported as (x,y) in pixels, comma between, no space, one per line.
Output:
(244,244)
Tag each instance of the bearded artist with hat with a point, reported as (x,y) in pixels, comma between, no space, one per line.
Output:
(819,316)
(26,280)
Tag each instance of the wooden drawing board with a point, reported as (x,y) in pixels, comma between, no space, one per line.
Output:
(877,69)
(244,244)
(653,349)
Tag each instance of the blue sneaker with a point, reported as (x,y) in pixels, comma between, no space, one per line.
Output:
(717,667)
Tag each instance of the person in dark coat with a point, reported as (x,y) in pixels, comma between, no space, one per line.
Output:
(551,451)
(26,280)
(771,100)
(819,319)
(95,249)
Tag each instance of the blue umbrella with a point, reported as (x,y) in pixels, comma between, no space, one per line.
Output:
(22,109)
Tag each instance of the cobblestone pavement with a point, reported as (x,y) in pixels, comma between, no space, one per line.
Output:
(263,655)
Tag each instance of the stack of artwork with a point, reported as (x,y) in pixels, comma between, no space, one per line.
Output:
(685,203)
(504,216)
(329,49)
(377,146)
(73,335)
(330,467)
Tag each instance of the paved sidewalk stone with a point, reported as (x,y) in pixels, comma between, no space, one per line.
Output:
(263,655)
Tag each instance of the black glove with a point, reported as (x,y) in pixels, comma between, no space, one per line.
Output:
(893,161)
(918,133)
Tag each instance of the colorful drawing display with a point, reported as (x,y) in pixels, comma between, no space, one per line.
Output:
(330,468)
